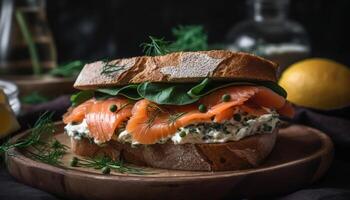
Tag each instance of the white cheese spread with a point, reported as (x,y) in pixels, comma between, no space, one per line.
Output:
(239,127)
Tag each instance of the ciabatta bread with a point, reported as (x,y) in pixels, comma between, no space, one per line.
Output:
(246,153)
(176,67)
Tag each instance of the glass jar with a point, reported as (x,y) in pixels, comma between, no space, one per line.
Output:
(11,92)
(268,32)
(26,43)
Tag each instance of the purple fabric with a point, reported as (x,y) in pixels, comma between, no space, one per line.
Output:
(335,185)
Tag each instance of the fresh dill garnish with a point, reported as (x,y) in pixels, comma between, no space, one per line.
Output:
(189,38)
(50,152)
(175,116)
(156,47)
(40,143)
(110,69)
(104,162)
(34,98)
(153,111)
(123,106)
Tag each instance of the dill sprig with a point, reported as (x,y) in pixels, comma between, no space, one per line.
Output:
(175,116)
(123,106)
(40,143)
(50,153)
(42,126)
(189,38)
(106,164)
(153,111)
(157,46)
(110,69)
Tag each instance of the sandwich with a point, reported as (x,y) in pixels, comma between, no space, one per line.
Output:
(201,111)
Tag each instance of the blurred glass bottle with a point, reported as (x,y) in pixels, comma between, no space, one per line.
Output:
(270,34)
(26,43)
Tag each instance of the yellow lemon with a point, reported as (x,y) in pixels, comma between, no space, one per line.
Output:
(8,121)
(317,83)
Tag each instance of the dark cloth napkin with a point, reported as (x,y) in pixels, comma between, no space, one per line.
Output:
(335,185)
(335,123)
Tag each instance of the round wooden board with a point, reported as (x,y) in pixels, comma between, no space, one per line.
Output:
(301,156)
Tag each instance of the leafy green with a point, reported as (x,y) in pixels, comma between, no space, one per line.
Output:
(166,93)
(81,97)
(34,98)
(70,69)
(129,91)
(182,94)
(171,93)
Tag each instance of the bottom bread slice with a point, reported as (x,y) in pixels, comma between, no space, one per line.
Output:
(243,154)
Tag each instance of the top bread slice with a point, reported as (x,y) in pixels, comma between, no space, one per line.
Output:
(176,67)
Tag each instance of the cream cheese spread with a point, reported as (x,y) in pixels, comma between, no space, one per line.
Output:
(237,128)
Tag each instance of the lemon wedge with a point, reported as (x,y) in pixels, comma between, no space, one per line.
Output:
(8,121)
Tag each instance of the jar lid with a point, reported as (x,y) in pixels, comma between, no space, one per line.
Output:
(10,89)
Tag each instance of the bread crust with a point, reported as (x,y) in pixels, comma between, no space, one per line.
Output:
(178,67)
(246,153)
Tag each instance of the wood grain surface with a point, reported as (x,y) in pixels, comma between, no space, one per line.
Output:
(47,86)
(301,156)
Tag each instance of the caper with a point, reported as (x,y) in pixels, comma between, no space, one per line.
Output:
(74,162)
(202,108)
(182,134)
(113,108)
(267,128)
(106,170)
(237,117)
(225,97)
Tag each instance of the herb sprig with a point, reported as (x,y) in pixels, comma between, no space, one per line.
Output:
(105,164)
(175,116)
(40,143)
(187,38)
(156,47)
(110,69)
(153,111)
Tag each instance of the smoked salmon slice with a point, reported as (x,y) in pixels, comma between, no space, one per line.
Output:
(77,114)
(150,122)
(102,121)
(287,110)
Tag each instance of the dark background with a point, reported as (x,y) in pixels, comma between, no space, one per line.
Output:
(96,29)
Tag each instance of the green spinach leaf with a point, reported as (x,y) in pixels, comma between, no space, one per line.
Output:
(129,91)
(182,94)
(166,93)
(81,97)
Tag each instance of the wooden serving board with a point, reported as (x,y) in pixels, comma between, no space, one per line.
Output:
(46,85)
(301,156)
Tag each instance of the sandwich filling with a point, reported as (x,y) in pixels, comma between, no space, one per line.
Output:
(227,114)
